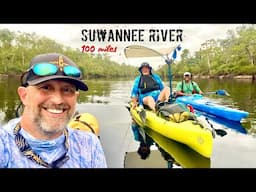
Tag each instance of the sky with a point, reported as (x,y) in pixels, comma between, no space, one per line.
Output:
(188,36)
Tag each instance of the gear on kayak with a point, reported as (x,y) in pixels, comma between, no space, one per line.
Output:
(85,122)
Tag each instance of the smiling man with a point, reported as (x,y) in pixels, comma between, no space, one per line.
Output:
(40,137)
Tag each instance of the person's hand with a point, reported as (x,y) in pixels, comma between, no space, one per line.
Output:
(134,103)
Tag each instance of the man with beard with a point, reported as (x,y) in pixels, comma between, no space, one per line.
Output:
(40,137)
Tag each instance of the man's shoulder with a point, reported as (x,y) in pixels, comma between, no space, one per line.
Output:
(74,133)
(194,83)
(10,124)
(180,82)
(7,129)
(137,77)
(156,76)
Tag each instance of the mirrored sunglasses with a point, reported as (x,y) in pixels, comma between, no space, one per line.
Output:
(46,69)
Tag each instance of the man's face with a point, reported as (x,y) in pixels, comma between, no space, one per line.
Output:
(145,70)
(186,77)
(49,105)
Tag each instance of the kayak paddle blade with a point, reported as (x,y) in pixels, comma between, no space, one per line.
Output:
(222,92)
(220,132)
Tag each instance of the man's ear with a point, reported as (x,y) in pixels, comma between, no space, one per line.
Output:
(22,92)
(77,96)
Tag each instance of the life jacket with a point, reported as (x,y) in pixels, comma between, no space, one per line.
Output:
(148,83)
(193,91)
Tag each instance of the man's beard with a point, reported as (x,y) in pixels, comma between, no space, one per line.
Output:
(51,126)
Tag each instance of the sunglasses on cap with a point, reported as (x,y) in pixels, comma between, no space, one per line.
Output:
(46,69)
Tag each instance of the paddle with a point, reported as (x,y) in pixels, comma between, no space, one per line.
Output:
(219,132)
(204,122)
(218,92)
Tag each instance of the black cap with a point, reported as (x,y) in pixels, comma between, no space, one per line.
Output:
(32,79)
(145,64)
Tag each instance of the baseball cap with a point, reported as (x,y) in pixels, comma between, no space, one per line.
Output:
(187,74)
(51,66)
(145,64)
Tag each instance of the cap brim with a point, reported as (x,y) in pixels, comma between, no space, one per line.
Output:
(186,74)
(78,83)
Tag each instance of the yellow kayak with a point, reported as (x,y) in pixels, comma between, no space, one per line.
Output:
(182,154)
(188,132)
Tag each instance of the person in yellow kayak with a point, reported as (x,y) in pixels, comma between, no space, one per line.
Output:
(148,88)
(187,87)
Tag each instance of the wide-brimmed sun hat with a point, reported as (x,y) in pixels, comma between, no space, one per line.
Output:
(144,64)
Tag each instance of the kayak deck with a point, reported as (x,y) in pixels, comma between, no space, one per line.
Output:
(187,132)
(201,104)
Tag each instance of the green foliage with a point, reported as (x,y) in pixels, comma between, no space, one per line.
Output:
(234,55)
(17,49)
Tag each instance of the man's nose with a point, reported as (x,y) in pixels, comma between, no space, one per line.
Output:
(57,97)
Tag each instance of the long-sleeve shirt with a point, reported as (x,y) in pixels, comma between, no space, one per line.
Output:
(85,150)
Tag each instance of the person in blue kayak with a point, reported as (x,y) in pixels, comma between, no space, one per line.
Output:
(187,87)
(40,137)
(148,88)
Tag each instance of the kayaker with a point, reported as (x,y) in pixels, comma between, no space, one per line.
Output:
(187,87)
(40,137)
(148,88)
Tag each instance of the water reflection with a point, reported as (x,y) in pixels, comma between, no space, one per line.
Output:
(173,153)
(8,98)
(106,99)
(252,130)
(145,142)
(222,123)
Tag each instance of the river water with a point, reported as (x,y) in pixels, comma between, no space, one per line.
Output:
(106,99)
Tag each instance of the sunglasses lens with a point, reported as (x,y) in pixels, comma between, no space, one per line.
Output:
(44,69)
(72,71)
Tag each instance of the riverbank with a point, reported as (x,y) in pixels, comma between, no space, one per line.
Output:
(229,76)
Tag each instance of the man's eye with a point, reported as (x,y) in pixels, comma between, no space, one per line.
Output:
(69,90)
(45,87)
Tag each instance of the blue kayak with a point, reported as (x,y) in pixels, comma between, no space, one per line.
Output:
(199,103)
(234,125)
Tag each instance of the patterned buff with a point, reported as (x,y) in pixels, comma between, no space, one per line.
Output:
(25,148)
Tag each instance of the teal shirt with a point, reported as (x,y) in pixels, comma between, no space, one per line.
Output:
(188,87)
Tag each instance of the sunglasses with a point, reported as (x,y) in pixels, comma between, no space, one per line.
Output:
(46,69)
